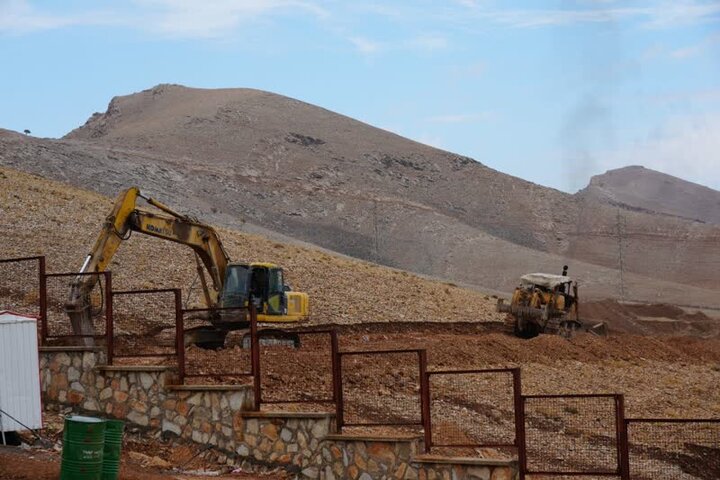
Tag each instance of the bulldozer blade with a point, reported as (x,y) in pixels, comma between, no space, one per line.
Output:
(599,329)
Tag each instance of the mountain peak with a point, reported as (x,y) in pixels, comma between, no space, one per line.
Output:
(642,188)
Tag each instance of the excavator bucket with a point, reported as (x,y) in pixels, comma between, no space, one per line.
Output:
(207,337)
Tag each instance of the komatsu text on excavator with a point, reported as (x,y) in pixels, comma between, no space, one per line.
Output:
(231,284)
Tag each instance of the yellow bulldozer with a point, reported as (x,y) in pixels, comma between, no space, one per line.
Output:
(545,303)
(232,284)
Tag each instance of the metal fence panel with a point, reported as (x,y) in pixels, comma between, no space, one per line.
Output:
(473,408)
(301,372)
(229,365)
(20,285)
(572,434)
(144,323)
(661,449)
(381,388)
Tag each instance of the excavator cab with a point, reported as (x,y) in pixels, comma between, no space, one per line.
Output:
(264,285)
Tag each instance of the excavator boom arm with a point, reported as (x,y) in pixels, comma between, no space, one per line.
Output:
(126,218)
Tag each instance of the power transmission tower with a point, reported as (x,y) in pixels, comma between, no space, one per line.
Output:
(375,227)
(621,230)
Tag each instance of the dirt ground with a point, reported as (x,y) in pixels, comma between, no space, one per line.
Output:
(32,464)
(660,375)
(653,319)
(144,457)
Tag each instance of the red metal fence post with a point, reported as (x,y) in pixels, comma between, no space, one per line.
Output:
(255,356)
(109,318)
(180,345)
(179,338)
(623,447)
(109,332)
(43,301)
(522,441)
(339,407)
(425,400)
(334,360)
(519,408)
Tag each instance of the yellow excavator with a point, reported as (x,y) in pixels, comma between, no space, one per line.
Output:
(232,284)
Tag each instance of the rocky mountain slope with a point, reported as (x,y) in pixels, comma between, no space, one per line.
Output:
(42,217)
(268,164)
(640,188)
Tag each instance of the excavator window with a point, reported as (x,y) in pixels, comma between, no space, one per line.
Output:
(237,285)
(276,295)
(276,280)
(258,287)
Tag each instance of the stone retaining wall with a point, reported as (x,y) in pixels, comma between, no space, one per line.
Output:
(142,396)
(289,439)
(367,458)
(222,416)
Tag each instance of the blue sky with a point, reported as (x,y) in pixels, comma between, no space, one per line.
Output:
(553,92)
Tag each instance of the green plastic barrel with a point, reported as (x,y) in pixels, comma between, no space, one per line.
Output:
(113,446)
(83,444)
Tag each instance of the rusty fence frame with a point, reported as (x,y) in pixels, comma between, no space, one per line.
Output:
(107,295)
(517,401)
(334,365)
(110,332)
(254,346)
(424,392)
(42,293)
(628,421)
(620,438)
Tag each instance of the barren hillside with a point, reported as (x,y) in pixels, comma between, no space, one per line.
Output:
(378,308)
(39,216)
(264,163)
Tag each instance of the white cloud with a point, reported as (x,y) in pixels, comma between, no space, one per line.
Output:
(460,118)
(220,18)
(430,140)
(428,42)
(467,3)
(690,98)
(19,17)
(697,49)
(366,46)
(182,18)
(681,12)
(658,14)
(475,70)
(425,43)
(687,147)
(214,18)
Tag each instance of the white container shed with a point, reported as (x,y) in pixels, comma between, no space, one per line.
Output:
(19,373)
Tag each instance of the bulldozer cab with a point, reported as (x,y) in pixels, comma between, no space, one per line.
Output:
(556,290)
